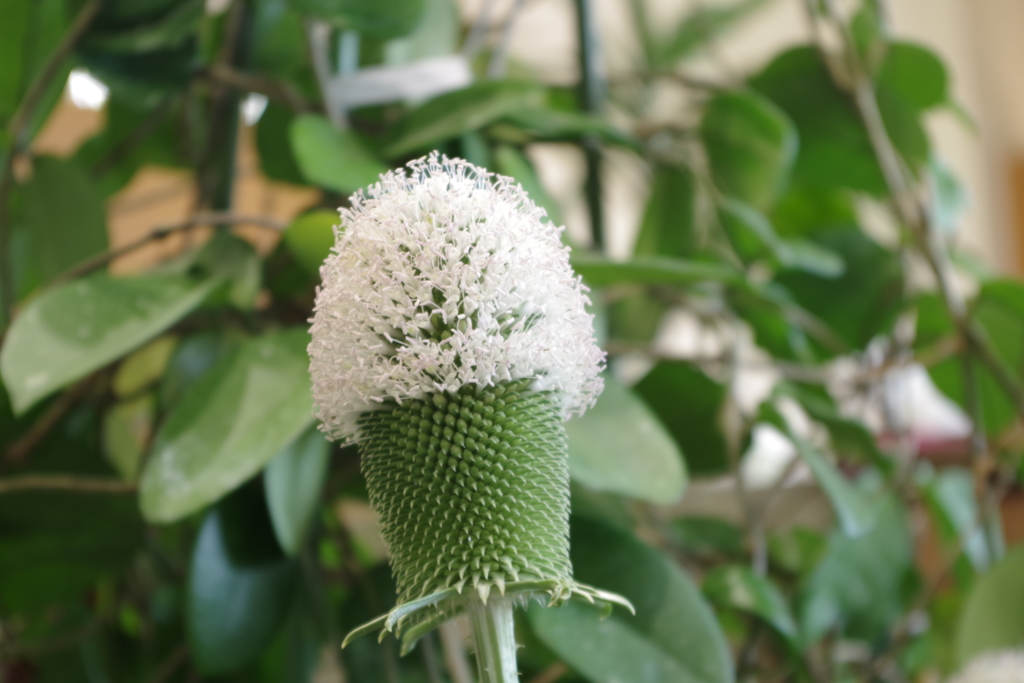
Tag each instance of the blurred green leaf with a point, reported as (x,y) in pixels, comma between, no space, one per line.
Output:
(869,34)
(381,19)
(688,403)
(293,481)
(171,28)
(669,222)
(452,114)
(915,74)
(14,31)
(194,356)
(598,271)
(127,426)
(993,615)
(64,212)
(278,40)
(998,313)
(620,446)
(143,367)
(861,302)
(738,587)
(854,510)
(310,237)
(949,197)
(274,146)
(53,547)
(554,125)
(229,425)
(850,438)
(144,79)
(751,146)
(76,328)
(332,158)
(949,494)
(857,584)
(708,536)
(240,585)
(674,636)
(437,34)
(701,26)
(834,147)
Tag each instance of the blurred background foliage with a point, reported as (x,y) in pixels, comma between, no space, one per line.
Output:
(168,511)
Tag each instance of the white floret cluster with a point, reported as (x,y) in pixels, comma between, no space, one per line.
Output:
(445,276)
(1001,666)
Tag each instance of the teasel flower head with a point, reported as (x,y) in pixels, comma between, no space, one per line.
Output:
(450,340)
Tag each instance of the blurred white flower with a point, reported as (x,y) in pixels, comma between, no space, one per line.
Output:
(442,277)
(1003,666)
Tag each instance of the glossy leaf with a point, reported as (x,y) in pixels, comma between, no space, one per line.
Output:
(310,237)
(335,159)
(688,403)
(293,481)
(621,447)
(74,329)
(993,615)
(855,511)
(381,19)
(240,585)
(277,159)
(229,425)
(738,587)
(857,583)
(674,636)
(64,212)
(452,114)
(751,146)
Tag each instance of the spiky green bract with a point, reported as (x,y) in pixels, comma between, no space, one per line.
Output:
(472,489)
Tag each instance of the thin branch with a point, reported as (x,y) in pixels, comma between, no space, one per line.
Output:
(18,451)
(159,232)
(65,482)
(17,132)
(274,89)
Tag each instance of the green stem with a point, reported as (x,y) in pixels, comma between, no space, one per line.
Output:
(494,636)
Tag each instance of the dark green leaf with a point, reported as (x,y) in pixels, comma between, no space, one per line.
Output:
(993,616)
(144,79)
(240,586)
(674,637)
(229,425)
(74,329)
(278,41)
(332,158)
(170,29)
(738,587)
(834,147)
(620,446)
(452,114)
(859,304)
(751,146)
(13,33)
(293,481)
(635,317)
(275,147)
(380,19)
(53,547)
(669,223)
(234,262)
(700,27)
(556,125)
(857,583)
(854,510)
(64,212)
(708,537)
(915,74)
(688,403)
(598,271)
(806,211)
(310,237)
(193,357)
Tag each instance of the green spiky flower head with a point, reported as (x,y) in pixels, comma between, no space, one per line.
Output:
(450,341)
